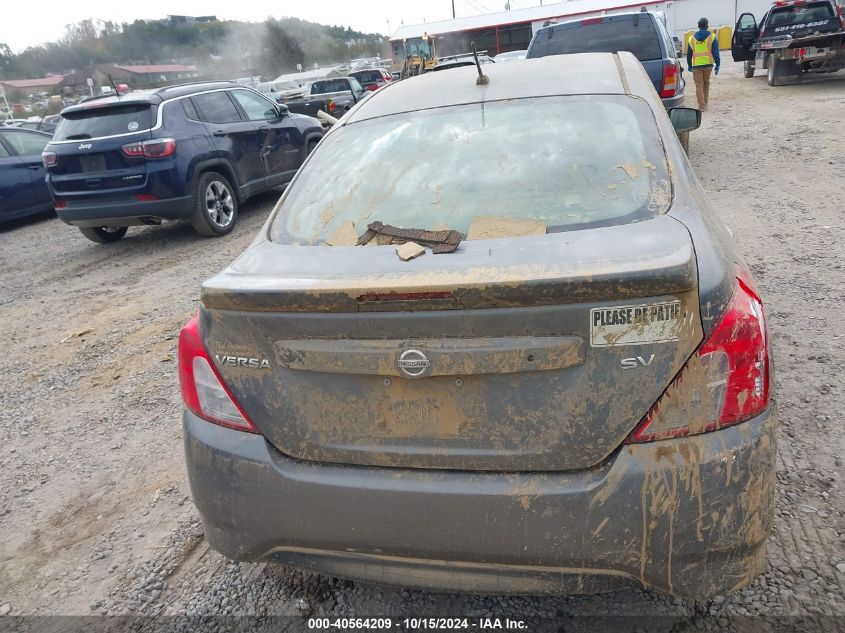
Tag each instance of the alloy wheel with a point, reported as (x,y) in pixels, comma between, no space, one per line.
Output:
(219,204)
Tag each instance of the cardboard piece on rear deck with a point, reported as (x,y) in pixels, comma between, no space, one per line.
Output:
(409,250)
(488,227)
(345,235)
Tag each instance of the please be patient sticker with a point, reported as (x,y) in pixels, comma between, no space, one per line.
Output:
(636,325)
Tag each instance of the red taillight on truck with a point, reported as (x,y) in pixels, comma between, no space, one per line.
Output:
(725,382)
(670,81)
(203,390)
(158,148)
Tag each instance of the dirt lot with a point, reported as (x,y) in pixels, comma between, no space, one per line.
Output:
(95,510)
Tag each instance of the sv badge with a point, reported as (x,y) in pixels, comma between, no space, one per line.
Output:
(636,363)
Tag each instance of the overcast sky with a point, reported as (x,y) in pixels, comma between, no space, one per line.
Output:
(27,25)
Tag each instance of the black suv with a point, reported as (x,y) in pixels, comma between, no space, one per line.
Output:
(191,151)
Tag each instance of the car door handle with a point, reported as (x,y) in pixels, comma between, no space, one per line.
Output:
(220,133)
(34,167)
(264,128)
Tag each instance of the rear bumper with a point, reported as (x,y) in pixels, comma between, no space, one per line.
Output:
(124,212)
(674,102)
(687,516)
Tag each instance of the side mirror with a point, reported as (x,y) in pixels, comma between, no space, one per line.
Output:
(282,109)
(685,119)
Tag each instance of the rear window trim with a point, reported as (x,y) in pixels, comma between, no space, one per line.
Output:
(159,118)
(273,217)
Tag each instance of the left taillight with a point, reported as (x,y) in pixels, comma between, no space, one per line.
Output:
(203,390)
(157,148)
(670,81)
(49,159)
(727,380)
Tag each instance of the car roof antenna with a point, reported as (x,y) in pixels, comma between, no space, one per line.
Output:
(483,79)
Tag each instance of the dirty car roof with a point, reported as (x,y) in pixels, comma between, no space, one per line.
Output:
(584,73)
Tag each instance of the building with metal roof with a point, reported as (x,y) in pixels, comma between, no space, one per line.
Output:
(505,31)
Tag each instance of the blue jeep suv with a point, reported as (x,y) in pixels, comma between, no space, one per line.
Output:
(642,33)
(191,152)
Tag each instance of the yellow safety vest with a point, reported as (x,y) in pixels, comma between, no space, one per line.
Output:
(702,52)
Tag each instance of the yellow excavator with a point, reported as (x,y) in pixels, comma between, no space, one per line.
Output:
(420,56)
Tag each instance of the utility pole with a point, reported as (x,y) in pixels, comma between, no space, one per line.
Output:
(453,9)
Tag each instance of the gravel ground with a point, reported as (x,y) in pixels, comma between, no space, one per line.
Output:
(95,512)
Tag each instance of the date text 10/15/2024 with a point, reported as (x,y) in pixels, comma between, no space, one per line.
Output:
(415,624)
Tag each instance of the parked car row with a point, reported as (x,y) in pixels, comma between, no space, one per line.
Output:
(333,96)
(191,152)
(23,189)
(196,151)
(46,124)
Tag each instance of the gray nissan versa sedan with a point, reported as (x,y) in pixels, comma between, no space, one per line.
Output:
(570,389)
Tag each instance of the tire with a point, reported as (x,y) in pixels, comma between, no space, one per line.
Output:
(215,205)
(312,144)
(749,69)
(103,234)
(772,72)
(780,68)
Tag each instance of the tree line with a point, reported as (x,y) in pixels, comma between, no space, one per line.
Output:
(266,48)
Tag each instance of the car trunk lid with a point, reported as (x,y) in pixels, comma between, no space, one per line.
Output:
(505,355)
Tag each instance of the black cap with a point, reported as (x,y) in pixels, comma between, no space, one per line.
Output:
(703,23)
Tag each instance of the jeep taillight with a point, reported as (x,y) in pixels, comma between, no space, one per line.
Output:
(203,390)
(670,81)
(725,382)
(157,148)
(49,159)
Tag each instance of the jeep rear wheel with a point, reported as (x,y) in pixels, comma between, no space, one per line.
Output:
(103,234)
(215,206)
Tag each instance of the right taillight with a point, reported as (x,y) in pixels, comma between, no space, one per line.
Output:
(157,148)
(670,81)
(49,159)
(726,381)
(203,390)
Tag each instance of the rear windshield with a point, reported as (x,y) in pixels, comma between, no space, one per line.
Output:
(638,36)
(368,77)
(325,87)
(109,121)
(797,15)
(559,162)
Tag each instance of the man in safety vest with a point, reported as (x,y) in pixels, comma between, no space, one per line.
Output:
(702,57)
